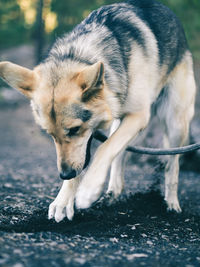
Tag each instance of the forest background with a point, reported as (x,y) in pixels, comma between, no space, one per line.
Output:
(39,22)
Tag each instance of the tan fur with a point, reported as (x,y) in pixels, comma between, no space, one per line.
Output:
(89,75)
(18,77)
(69,90)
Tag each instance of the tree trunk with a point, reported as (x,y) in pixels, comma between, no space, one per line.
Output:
(39,32)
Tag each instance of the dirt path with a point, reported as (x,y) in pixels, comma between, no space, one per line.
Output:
(135,231)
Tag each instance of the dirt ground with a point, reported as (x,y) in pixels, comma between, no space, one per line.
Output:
(135,231)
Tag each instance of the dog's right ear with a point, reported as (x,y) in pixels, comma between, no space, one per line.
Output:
(18,77)
(91,80)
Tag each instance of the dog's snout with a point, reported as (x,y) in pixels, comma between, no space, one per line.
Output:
(67,172)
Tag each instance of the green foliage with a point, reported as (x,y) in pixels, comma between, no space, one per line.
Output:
(72,12)
(13,29)
(188,11)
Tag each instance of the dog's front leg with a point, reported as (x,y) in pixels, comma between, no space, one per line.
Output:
(93,181)
(63,205)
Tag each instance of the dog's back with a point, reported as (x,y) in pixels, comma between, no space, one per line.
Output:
(109,33)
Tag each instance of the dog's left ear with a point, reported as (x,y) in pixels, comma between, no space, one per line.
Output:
(18,77)
(91,80)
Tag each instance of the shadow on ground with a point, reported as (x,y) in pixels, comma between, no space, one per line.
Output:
(136,229)
(146,211)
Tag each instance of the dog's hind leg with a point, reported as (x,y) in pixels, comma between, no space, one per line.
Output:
(177,113)
(116,182)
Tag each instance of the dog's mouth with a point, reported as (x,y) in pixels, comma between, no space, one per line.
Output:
(88,154)
(74,173)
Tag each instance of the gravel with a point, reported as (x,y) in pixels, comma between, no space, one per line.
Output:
(136,230)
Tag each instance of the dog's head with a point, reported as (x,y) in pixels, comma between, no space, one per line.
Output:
(68,101)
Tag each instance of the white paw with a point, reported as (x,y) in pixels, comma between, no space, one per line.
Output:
(63,205)
(59,210)
(173,204)
(87,195)
(115,190)
(111,197)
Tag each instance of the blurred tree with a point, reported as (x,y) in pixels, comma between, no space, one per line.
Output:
(18,18)
(39,31)
(70,13)
(12,29)
(188,11)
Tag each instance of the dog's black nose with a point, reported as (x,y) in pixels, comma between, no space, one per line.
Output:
(68,175)
(67,172)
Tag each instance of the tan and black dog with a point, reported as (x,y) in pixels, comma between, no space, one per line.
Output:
(108,72)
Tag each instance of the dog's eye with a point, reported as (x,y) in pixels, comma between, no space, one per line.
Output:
(73,131)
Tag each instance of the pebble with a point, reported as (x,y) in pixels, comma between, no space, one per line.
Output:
(124,235)
(80,261)
(18,265)
(8,185)
(136,255)
(149,242)
(114,240)
(144,235)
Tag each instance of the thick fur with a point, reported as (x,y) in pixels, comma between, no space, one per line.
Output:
(111,69)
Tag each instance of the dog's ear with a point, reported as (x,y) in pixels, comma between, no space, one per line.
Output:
(18,77)
(91,80)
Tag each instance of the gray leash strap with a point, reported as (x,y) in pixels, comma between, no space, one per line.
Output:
(98,135)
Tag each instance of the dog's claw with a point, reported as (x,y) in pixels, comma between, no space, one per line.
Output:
(60,211)
(60,214)
(63,205)
(108,198)
(173,205)
(51,211)
(70,211)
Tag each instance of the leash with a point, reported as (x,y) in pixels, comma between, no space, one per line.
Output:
(98,135)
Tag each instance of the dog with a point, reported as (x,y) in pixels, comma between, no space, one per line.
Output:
(108,72)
